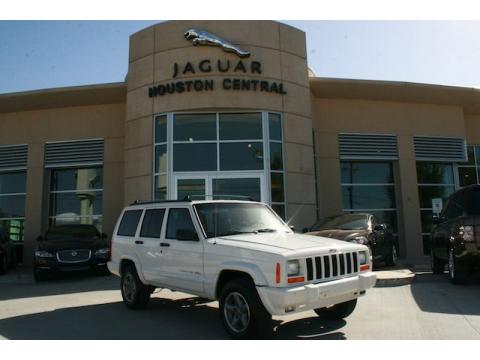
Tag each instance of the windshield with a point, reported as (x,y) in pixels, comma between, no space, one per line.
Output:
(343,222)
(222,219)
(71,232)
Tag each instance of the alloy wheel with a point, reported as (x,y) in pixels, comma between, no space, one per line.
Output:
(236,312)
(129,287)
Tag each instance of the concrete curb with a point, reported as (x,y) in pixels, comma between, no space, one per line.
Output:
(394,277)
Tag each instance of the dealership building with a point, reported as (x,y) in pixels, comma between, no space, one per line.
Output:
(213,109)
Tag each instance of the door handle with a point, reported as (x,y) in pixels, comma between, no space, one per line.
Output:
(164,244)
(139,242)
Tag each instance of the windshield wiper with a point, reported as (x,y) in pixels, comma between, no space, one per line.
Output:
(266,230)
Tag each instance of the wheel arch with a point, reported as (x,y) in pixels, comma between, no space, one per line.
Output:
(238,270)
(127,260)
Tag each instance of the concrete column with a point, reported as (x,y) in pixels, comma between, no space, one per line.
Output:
(409,204)
(34,209)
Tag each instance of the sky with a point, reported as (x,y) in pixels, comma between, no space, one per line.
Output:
(46,54)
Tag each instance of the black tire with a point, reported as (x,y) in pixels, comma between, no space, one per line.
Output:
(337,311)
(259,321)
(135,294)
(3,264)
(438,266)
(391,259)
(457,272)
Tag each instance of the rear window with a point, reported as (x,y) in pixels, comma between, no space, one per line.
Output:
(129,223)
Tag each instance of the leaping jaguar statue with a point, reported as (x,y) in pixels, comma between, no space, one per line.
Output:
(202,37)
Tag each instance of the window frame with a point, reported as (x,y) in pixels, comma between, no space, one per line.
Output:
(191,219)
(144,215)
(21,232)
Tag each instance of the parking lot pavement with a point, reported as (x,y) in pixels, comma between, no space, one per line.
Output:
(90,307)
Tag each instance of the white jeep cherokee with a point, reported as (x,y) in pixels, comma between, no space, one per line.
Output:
(240,253)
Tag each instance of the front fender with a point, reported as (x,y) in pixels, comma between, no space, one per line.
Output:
(251,269)
(138,267)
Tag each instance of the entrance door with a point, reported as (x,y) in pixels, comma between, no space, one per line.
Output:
(221,186)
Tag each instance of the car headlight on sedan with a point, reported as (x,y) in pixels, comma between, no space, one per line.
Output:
(360,240)
(293,267)
(467,233)
(43,254)
(102,252)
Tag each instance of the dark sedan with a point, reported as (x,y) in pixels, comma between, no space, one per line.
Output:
(8,258)
(71,248)
(361,228)
(456,236)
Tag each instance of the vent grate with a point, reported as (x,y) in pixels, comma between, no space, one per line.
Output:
(440,149)
(13,157)
(68,153)
(368,146)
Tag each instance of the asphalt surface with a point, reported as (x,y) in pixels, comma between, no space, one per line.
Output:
(90,307)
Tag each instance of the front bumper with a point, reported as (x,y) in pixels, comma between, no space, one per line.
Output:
(49,264)
(282,301)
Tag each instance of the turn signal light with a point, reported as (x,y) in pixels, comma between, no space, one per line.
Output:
(297,279)
(364,267)
(278,275)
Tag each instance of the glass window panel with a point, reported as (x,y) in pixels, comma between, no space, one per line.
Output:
(152,223)
(240,126)
(129,223)
(427,193)
(195,188)
(179,219)
(241,156)
(160,158)
(88,220)
(82,203)
(467,176)
(366,173)
(388,217)
(14,228)
(477,154)
(13,182)
(279,209)
(73,179)
(161,129)
(236,188)
(160,190)
(276,156)
(278,194)
(194,157)
(275,126)
(434,173)
(12,206)
(368,197)
(194,127)
(470,156)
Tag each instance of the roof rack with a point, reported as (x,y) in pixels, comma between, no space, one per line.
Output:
(140,202)
(188,198)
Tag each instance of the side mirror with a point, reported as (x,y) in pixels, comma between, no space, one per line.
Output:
(186,235)
(40,238)
(379,227)
(104,236)
(304,230)
(292,228)
(436,219)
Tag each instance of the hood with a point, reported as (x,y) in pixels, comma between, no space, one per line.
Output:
(283,242)
(72,244)
(345,235)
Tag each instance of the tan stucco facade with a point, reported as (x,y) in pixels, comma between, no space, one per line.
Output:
(314,111)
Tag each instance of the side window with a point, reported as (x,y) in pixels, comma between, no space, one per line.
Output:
(180,225)
(152,223)
(129,223)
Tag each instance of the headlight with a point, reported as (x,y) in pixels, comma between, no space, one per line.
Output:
(44,254)
(360,240)
(363,257)
(293,267)
(467,233)
(102,252)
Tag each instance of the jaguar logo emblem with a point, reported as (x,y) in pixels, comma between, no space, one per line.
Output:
(202,37)
(74,253)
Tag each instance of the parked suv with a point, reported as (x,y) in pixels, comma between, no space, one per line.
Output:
(456,236)
(360,228)
(239,253)
(71,248)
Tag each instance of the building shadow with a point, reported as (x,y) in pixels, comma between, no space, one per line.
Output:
(188,318)
(435,293)
(58,284)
